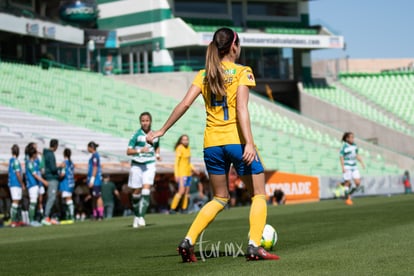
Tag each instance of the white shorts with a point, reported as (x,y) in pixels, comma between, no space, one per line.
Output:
(42,190)
(351,174)
(34,193)
(16,193)
(66,194)
(141,174)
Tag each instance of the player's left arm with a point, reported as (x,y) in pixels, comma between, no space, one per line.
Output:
(243,116)
(359,158)
(94,172)
(17,170)
(157,152)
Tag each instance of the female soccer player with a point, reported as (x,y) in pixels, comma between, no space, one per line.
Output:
(142,172)
(39,165)
(406,182)
(94,180)
(349,157)
(227,139)
(16,185)
(67,184)
(33,179)
(182,172)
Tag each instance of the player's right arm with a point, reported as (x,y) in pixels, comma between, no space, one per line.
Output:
(176,114)
(131,150)
(341,159)
(20,179)
(39,178)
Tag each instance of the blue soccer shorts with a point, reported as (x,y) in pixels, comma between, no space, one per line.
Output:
(185,180)
(219,158)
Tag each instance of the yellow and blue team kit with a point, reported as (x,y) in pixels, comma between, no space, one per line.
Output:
(223,138)
(221,125)
(182,166)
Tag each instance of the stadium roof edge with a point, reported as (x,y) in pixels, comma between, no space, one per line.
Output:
(40,29)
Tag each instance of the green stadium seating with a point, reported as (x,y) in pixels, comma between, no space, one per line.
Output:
(391,91)
(274,24)
(347,101)
(293,31)
(108,106)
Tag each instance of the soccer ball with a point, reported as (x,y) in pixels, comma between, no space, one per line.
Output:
(269,237)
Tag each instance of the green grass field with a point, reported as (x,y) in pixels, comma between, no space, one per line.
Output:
(372,237)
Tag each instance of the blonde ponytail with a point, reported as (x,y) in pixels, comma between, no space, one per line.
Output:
(219,47)
(214,70)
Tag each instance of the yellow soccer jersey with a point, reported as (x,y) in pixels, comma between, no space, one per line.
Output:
(221,126)
(182,165)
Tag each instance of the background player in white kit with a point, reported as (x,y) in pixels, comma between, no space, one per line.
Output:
(142,172)
(349,157)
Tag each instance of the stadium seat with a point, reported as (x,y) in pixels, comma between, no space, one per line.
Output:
(347,101)
(107,106)
(391,91)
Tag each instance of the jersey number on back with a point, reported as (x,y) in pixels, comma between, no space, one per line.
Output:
(222,103)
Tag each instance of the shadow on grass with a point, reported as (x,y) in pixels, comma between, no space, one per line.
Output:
(141,227)
(200,256)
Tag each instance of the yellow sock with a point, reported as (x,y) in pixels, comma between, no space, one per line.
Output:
(205,216)
(258,214)
(175,201)
(185,202)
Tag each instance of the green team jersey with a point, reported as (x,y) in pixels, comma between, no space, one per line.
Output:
(137,142)
(194,184)
(349,152)
(107,190)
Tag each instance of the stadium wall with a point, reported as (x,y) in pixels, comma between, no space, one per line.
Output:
(381,185)
(363,128)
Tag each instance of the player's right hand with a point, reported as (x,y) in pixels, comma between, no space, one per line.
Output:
(152,135)
(249,154)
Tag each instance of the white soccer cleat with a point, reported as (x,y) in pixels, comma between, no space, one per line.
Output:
(141,221)
(135,224)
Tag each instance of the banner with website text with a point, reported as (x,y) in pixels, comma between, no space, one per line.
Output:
(283,40)
(297,188)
